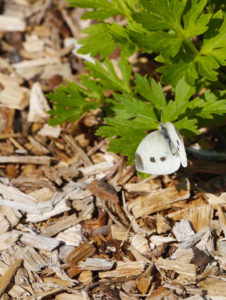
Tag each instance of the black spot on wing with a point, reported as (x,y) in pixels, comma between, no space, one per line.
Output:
(139,161)
(178,143)
(163,158)
(152,159)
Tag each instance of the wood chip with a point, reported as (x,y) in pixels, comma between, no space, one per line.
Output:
(96,264)
(38,105)
(39,160)
(8,23)
(39,241)
(7,276)
(180,268)
(125,269)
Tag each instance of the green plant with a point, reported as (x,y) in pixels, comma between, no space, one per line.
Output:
(188,38)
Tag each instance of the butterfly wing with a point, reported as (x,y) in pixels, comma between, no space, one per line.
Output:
(154,155)
(178,142)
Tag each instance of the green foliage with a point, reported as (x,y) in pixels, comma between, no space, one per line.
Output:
(166,28)
(188,39)
(71,101)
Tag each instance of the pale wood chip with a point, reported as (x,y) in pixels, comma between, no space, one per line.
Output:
(50,131)
(76,148)
(61,225)
(140,242)
(75,296)
(96,264)
(125,269)
(8,275)
(17,292)
(56,209)
(222,247)
(200,216)
(8,239)
(38,106)
(182,230)
(177,266)
(215,200)
(214,287)
(194,239)
(118,232)
(3,267)
(183,255)
(39,241)
(71,236)
(158,200)
(14,97)
(39,160)
(102,168)
(4,224)
(162,224)
(160,294)
(10,23)
(33,261)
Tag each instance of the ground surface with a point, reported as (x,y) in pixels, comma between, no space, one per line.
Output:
(75,221)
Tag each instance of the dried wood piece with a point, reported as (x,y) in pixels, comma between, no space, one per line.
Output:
(108,195)
(182,230)
(81,253)
(61,225)
(85,277)
(144,280)
(14,97)
(194,239)
(11,215)
(14,194)
(183,255)
(222,247)
(8,239)
(103,190)
(39,241)
(71,236)
(102,168)
(83,156)
(10,23)
(160,294)
(4,224)
(96,264)
(158,200)
(32,260)
(38,105)
(125,269)
(33,43)
(17,292)
(215,200)
(118,232)
(200,215)
(27,69)
(140,242)
(162,224)
(7,276)
(50,131)
(177,266)
(56,209)
(214,287)
(37,160)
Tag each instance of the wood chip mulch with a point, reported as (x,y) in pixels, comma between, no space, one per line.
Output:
(75,221)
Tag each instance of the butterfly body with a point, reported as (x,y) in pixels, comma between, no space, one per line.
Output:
(161,151)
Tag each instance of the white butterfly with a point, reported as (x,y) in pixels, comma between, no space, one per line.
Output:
(161,151)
